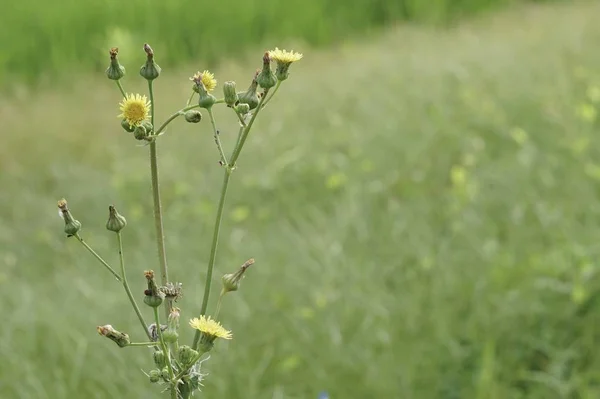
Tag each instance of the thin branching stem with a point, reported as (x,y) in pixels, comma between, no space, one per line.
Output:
(121,88)
(167,353)
(110,269)
(216,135)
(242,141)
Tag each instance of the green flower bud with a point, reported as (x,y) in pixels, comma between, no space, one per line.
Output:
(115,71)
(250,97)
(160,359)
(154,376)
(205,99)
(153,297)
(242,109)
(164,373)
(150,70)
(72,226)
(116,222)
(231,282)
(148,126)
(140,132)
(125,125)
(230,94)
(117,337)
(186,355)
(266,79)
(193,116)
(171,334)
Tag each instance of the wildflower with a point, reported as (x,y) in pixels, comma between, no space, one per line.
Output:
(284,59)
(207,78)
(135,109)
(210,329)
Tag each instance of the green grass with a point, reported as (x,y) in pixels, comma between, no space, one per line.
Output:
(41,41)
(423,209)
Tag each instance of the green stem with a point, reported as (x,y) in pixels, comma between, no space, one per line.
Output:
(218,308)
(213,249)
(167,353)
(237,142)
(184,371)
(240,117)
(121,88)
(217,139)
(272,93)
(110,269)
(240,145)
(158,219)
(128,290)
(190,99)
(173,117)
(145,344)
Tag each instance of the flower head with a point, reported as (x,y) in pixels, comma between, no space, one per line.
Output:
(135,109)
(284,56)
(212,329)
(207,78)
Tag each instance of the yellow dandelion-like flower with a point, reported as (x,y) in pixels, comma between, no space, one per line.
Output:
(135,109)
(207,78)
(284,56)
(211,328)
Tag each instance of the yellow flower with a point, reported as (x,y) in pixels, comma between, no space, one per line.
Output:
(135,109)
(207,78)
(284,56)
(212,329)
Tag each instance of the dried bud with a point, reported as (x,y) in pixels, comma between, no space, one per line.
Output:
(250,97)
(172,291)
(230,94)
(115,71)
(193,116)
(150,70)
(72,226)
(186,355)
(266,79)
(116,222)
(153,296)
(117,337)
(171,334)
(231,282)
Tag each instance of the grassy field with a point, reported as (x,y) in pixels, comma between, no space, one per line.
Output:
(42,41)
(423,209)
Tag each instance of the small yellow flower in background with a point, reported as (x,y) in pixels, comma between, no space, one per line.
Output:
(212,329)
(135,109)
(284,56)
(207,78)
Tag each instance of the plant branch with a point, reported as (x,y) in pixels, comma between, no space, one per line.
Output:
(110,269)
(167,353)
(121,88)
(240,144)
(216,135)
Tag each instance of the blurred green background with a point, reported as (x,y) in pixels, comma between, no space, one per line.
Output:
(421,201)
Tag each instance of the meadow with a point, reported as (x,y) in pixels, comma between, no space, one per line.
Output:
(422,206)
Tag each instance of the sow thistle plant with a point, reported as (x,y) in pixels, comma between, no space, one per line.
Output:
(173,364)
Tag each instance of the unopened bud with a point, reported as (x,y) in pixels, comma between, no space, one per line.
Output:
(116,222)
(160,359)
(164,373)
(231,282)
(193,116)
(117,337)
(154,376)
(125,125)
(171,334)
(266,79)
(150,70)
(205,99)
(229,93)
(115,71)
(250,97)
(140,132)
(242,109)
(72,226)
(186,355)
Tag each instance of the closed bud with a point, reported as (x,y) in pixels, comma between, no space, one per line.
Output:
(242,109)
(193,116)
(153,297)
(117,337)
(250,97)
(72,226)
(154,376)
(186,355)
(205,99)
(171,334)
(231,282)
(125,125)
(229,93)
(266,78)
(164,373)
(150,70)
(160,359)
(116,222)
(115,71)
(140,132)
